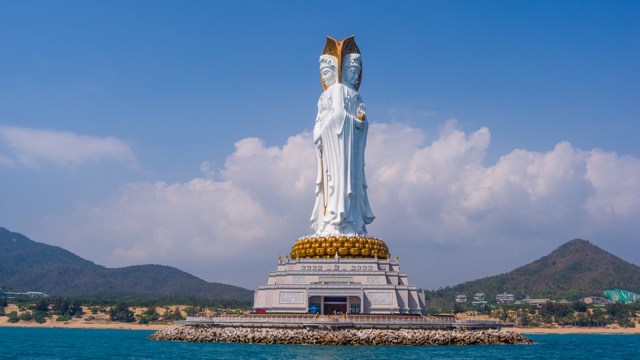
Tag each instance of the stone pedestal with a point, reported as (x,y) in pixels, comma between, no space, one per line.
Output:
(338,286)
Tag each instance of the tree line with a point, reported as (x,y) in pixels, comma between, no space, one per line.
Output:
(576,313)
(64,309)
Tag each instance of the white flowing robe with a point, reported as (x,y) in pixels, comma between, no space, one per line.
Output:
(342,205)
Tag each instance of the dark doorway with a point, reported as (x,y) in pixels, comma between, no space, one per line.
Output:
(335,309)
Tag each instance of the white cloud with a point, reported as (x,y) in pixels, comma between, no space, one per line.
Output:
(30,147)
(207,168)
(616,182)
(250,211)
(438,205)
(201,219)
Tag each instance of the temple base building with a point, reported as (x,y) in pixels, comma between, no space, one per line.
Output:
(327,285)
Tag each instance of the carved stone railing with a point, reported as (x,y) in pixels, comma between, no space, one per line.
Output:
(358,321)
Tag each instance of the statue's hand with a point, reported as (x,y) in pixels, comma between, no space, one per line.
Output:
(361,112)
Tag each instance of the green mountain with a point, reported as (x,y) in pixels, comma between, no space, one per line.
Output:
(574,270)
(26,265)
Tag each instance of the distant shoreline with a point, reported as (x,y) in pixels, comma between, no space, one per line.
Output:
(156,327)
(101,320)
(577,330)
(78,325)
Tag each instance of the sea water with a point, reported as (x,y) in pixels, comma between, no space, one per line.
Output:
(44,343)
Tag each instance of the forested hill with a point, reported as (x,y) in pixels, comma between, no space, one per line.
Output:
(26,265)
(574,270)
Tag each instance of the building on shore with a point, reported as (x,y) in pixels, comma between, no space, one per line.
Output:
(28,294)
(595,300)
(622,296)
(479,300)
(461,298)
(505,298)
(536,302)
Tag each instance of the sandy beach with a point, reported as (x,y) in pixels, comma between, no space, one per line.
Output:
(84,325)
(578,330)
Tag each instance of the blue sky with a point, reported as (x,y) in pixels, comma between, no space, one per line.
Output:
(500,129)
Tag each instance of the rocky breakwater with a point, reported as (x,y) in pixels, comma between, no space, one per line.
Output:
(416,337)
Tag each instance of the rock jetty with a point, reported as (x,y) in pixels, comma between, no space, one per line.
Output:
(415,337)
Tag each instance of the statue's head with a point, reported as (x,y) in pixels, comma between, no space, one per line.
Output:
(351,70)
(328,70)
(345,56)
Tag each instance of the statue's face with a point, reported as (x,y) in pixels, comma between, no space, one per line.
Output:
(350,75)
(329,75)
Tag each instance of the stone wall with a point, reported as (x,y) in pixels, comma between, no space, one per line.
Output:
(416,337)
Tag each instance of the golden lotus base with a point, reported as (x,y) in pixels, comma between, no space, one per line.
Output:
(347,247)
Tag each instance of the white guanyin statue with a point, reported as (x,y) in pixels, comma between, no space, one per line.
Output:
(340,134)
